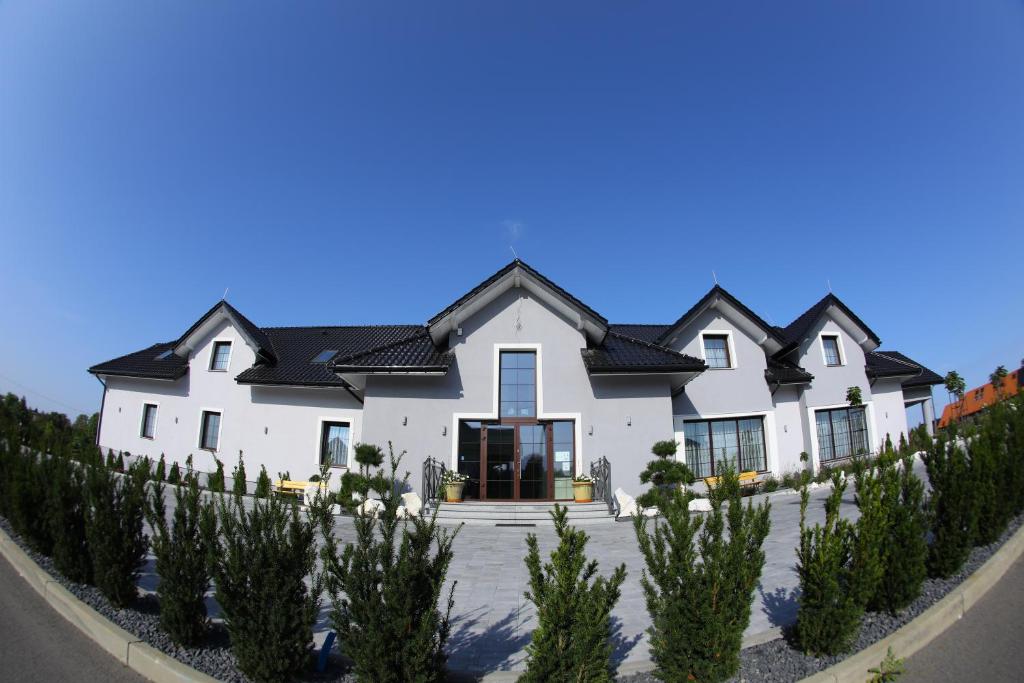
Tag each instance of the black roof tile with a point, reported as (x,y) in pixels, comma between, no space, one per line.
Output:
(414,354)
(621,353)
(149,362)
(894,364)
(781,371)
(643,332)
(797,330)
(718,290)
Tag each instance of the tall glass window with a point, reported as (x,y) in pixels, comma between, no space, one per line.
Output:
(469,456)
(148,420)
(209,433)
(831,346)
(842,433)
(334,444)
(711,445)
(518,388)
(221,355)
(716,351)
(563,446)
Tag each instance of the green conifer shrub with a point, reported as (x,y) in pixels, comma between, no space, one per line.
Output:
(828,618)
(952,506)
(871,528)
(386,586)
(263,486)
(66,509)
(31,477)
(161,470)
(114,532)
(119,463)
(111,460)
(665,474)
(174,478)
(215,482)
(572,641)
(904,551)
(368,455)
(699,609)
(238,485)
(181,553)
(261,558)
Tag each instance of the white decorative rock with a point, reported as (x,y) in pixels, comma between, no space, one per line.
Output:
(627,503)
(700,505)
(370,507)
(412,504)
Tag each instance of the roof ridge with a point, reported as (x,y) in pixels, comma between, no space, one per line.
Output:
(885,354)
(341,327)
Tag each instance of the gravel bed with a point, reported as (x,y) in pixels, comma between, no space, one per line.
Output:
(779,660)
(142,619)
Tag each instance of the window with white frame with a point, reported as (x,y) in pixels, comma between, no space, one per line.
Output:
(209,430)
(148,420)
(830,347)
(334,441)
(716,350)
(842,433)
(221,356)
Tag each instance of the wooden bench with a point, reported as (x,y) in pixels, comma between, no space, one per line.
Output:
(748,481)
(291,487)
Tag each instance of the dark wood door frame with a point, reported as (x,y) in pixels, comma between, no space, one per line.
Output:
(549,458)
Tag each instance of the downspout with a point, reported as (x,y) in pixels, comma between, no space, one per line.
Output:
(103,403)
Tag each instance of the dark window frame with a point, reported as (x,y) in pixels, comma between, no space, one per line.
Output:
(146,421)
(739,442)
(217,345)
(825,338)
(517,419)
(849,410)
(725,342)
(325,430)
(204,425)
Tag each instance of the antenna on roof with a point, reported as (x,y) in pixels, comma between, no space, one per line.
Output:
(714,277)
(514,254)
(225,297)
(829,283)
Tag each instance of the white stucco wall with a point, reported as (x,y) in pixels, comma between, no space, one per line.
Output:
(272,426)
(890,413)
(789,430)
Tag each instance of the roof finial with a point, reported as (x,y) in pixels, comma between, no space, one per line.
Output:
(714,277)
(514,254)
(225,297)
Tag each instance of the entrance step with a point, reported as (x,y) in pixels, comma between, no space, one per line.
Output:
(520,513)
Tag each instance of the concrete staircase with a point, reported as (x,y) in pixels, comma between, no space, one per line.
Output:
(519,514)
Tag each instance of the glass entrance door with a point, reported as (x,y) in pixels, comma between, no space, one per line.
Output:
(500,448)
(533,462)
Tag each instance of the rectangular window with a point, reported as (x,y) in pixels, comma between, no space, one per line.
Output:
(842,433)
(209,432)
(518,384)
(470,433)
(148,420)
(831,346)
(711,445)
(221,355)
(334,444)
(716,351)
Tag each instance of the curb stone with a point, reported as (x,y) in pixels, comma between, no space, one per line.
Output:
(930,624)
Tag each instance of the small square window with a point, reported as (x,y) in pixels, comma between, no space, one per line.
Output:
(716,351)
(221,355)
(324,356)
(334,442)
(831,346)
(209,432)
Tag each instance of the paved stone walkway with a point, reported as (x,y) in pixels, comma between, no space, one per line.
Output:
(493,621)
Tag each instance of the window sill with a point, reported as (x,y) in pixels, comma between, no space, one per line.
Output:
(147,438)
(216,370)
(728,368)
(208,450)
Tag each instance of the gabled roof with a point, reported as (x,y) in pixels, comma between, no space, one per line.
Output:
(517,274)
(253,335)
(717,297)
(797,330)
(153,362)
(619,353)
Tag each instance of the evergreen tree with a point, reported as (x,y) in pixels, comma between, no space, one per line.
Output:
(904,551)
(181,561)
(572,641)
(828,618)
(871,528)
(665,474)
(387,587)
(174,478)
(263,561)
(66,510)
(263,487)
(114,532)
(238,486)
(161,470)
(215,482)
(368,455)
(952,505)
(111,461)
(694,636)
(119,463)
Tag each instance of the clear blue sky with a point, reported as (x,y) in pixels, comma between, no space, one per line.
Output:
(345,163)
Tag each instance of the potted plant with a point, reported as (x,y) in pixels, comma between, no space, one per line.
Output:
(453,483)
(583,488)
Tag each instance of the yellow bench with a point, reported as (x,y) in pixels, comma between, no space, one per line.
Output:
(748,480)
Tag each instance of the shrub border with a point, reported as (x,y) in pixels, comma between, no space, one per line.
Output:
(156,666)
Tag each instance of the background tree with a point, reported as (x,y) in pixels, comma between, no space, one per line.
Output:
(853,396)
(956,387)
(997,377)
(238,484)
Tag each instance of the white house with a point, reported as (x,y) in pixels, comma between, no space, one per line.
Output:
(519,385)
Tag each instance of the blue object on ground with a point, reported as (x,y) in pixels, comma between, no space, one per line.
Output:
(325,651)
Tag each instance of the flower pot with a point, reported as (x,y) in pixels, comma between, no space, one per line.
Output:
(453,491)
(583,491)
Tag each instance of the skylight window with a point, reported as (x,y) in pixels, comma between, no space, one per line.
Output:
(324,356)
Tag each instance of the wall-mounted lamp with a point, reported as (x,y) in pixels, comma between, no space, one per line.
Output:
(405,420)
(119,409)
(175,420)
(785,428)
(265,430)
(444,431)
(629,421)
(590,431)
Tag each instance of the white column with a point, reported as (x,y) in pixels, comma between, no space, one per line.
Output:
(928,408)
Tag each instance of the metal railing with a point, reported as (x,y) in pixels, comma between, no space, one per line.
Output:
(433,473)
(601,473)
